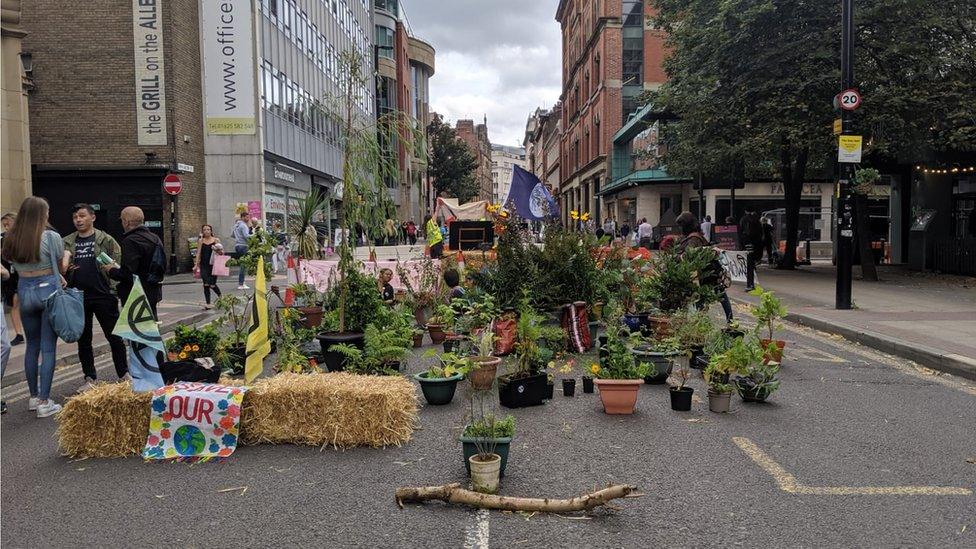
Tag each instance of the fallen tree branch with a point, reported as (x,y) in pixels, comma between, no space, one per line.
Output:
(453,493)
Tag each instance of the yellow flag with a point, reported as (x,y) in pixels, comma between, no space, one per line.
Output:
(258,344)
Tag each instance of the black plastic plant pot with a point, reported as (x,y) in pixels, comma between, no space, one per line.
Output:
(569,387)
(749,391)
(438,391)
(523,391)
(550,388)
(681,399)
(469,447)
(335,362)
(587,384)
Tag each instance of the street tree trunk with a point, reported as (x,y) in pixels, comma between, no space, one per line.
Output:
(868,269)
(793,167)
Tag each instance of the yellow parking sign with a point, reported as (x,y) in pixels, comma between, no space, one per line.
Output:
(849,148)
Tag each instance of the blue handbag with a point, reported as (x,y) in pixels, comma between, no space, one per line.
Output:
(66,310)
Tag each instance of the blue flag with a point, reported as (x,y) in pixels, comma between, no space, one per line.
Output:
(143,367)
(528,198)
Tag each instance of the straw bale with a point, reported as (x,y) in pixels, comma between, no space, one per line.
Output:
(336,409)
(107,421)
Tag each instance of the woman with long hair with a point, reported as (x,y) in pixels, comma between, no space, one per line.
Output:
(208,246)
(10,288)
(36,252)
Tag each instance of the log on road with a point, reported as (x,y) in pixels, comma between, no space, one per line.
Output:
(454,493)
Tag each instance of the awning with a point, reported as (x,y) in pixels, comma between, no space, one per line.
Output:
(640,177)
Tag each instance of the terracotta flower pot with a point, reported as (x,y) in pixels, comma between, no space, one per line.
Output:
(436,332)
(311,316)
(418,340)
(619,396)
(482,377)
(773,355)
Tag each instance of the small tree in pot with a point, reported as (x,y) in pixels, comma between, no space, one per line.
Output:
(485,436)
(680,393)
(769,312)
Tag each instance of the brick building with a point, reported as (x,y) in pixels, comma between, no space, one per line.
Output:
(405,64)
(541,142)
(116,106)
(611,53)
(476,138)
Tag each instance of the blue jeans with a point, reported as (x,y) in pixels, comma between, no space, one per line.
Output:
(41,338)
(240,251)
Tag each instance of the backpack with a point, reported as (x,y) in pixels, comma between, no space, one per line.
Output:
(157,266)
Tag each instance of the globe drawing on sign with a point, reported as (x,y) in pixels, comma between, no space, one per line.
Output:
(538,200)
(189,441)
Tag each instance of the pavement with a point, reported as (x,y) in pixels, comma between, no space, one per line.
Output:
(857,449)
(924,317)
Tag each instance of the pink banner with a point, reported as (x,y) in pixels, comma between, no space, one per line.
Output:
(324,273)
(254,208)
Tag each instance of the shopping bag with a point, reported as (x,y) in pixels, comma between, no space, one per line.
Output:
(220,267)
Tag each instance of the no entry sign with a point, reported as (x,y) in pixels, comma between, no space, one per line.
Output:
(849,99)
(172,184)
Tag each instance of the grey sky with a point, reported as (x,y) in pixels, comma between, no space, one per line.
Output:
(499,58)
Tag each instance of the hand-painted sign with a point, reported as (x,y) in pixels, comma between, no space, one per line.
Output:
(194,421)
(734,263)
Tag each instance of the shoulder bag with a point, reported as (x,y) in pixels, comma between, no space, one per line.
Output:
(66,309)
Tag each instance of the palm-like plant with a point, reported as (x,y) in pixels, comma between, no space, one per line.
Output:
(309,208)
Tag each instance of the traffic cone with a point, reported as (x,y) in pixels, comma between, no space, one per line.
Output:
(292,277)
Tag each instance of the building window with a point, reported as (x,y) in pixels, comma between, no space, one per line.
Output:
(385,39)
(633,61)
(388,5)
(633,13)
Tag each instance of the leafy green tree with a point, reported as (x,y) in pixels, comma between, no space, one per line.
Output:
(452,164)
(752,82)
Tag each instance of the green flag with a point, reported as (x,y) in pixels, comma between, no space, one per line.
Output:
(137,321)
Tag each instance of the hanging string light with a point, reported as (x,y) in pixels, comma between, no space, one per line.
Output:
(941,171)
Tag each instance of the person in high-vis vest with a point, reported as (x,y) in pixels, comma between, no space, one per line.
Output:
(435,240)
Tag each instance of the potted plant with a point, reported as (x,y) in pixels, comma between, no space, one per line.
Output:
(232,351)
(290,337)
(759,380)
(621,375)
(418,337)
(588,378)
(673,285)
(738,357)
(360,303)
(485,467)
(484,366)
(439,382)
(659,352)
(694,331)
(493,435)
(308,302)
(442,318)
(526,383)
(423,291)
(384,351)
(189,342)
(768,314)
(680,393)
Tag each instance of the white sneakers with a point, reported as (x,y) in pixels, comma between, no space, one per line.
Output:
(243,287)
(48,409)
(33,403)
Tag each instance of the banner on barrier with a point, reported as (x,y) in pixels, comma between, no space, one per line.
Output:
(734,263)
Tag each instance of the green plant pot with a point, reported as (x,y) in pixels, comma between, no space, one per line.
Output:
(662,365)
(470,448)
(440,390)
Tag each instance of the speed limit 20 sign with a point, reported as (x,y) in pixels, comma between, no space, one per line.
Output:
(849,99)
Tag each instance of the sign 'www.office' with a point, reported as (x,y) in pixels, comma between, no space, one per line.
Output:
(226,29)
(150,73)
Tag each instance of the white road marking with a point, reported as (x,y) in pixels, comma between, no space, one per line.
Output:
(476,534)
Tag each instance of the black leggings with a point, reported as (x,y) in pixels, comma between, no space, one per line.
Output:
(209,282)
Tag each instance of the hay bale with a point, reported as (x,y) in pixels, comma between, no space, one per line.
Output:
(338,409)
(107,421)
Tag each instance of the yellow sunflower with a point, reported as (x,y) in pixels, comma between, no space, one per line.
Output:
(595,368)
(182,355)
(195,348)
(574,214)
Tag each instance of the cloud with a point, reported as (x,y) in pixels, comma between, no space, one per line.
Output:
(498,58)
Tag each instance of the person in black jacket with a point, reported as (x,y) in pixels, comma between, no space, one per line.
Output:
(139,245)
(751,239)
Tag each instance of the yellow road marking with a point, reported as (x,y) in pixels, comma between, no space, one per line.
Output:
(789,484)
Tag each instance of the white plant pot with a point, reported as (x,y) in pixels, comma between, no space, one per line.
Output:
(484,474)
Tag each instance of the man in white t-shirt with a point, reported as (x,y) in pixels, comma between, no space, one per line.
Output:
(644,233)
(706,228)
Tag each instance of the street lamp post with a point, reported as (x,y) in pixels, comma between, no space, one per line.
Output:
(845,217)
